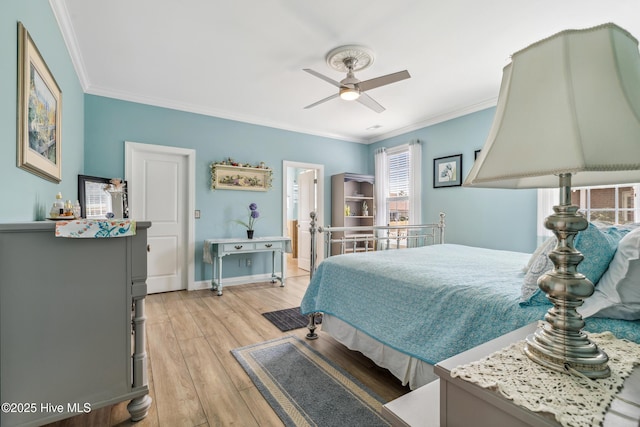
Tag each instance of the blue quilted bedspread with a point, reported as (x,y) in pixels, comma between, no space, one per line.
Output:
(433,302)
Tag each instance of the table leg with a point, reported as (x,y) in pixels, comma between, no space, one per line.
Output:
(219,275)
(214,285)
(273,267)
(283,263)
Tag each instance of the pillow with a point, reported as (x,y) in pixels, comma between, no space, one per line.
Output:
(598,248)
(618,293)
(545,247)
(539,263)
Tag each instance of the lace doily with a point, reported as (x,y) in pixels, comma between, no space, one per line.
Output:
(574,401)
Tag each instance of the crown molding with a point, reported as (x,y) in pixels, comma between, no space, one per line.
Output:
(61,14)
(450,115)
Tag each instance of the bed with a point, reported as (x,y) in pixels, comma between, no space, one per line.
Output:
(409,309)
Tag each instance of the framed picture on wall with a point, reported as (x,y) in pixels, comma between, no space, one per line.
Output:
(226,177)
(39,133)
(447,171)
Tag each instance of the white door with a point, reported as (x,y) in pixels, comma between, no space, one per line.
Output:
(306,204)
(159,185)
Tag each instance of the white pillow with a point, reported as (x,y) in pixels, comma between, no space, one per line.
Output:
(618,292)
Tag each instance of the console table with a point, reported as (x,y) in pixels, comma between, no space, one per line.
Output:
(216,249)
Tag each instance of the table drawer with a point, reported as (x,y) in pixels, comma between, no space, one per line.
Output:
(269,245)
(238,247)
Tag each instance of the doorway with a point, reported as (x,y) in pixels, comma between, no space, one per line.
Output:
(161,183)
(310,192)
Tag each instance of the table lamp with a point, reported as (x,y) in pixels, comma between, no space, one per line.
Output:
(568,113)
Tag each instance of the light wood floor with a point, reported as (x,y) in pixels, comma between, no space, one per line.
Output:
(194,380)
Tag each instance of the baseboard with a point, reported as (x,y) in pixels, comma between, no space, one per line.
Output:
(232,281)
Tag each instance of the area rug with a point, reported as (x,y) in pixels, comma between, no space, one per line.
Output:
(289,319)
(305,388)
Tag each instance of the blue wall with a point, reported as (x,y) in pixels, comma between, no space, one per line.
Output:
(25,196)
(109,123)
(491,218)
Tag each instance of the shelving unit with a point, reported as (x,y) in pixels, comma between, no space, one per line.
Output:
(349,192)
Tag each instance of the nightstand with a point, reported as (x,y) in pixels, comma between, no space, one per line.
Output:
(462,403)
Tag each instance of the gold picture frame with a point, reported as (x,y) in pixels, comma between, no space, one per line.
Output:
(39,145)
(227,177)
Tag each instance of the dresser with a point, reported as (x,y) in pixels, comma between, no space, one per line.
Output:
(71,323)
(215,250)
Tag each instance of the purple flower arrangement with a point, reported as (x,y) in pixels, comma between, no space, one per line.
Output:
(253,217)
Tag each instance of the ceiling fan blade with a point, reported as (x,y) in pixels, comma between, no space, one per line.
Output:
(323,77)
(383,80)
(328,98)
(368,101)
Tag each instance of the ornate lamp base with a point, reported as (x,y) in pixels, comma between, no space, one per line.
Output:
(578,353)
(560,343)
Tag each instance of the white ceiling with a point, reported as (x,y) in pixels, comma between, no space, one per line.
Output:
(243,59)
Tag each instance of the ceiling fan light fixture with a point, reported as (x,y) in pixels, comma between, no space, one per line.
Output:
(349,93)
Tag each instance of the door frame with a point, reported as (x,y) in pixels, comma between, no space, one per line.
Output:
(286,164)
(131,149)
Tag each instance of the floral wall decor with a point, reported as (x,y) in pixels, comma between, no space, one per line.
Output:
(231,175)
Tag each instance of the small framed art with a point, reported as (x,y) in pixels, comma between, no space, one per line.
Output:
(39,144)
(447,171)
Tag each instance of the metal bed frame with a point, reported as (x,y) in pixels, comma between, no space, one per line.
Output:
(341,240)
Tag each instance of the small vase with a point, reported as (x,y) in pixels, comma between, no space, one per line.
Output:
(249,234)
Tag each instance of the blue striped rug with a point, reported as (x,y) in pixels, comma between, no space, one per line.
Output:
(305,388)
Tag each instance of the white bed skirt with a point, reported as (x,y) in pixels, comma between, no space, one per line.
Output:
(407,369)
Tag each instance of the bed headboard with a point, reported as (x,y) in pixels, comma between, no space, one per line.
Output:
(340,240)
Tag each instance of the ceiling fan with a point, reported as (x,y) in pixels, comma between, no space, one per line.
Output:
(349,59)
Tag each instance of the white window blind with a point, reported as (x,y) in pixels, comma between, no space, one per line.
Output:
(399,164)
(398,173)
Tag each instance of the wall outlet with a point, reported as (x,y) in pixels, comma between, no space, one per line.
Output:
(196,214)
(248,262)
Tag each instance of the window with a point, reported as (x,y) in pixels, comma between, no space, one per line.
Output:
(398,178)
(397,198)
(617,204)
(398,187)
(612,204)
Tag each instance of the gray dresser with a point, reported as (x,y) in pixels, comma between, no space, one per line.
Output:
(72,315)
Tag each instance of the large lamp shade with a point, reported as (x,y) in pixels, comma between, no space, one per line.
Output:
(568,104)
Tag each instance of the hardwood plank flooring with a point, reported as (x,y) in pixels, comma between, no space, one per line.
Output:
(194,380)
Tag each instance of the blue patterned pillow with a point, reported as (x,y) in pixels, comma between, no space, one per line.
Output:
(598,247)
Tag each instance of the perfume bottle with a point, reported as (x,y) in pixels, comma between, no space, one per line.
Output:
(76,209)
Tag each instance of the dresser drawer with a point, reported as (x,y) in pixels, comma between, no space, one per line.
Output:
(238,247)
(269,245)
